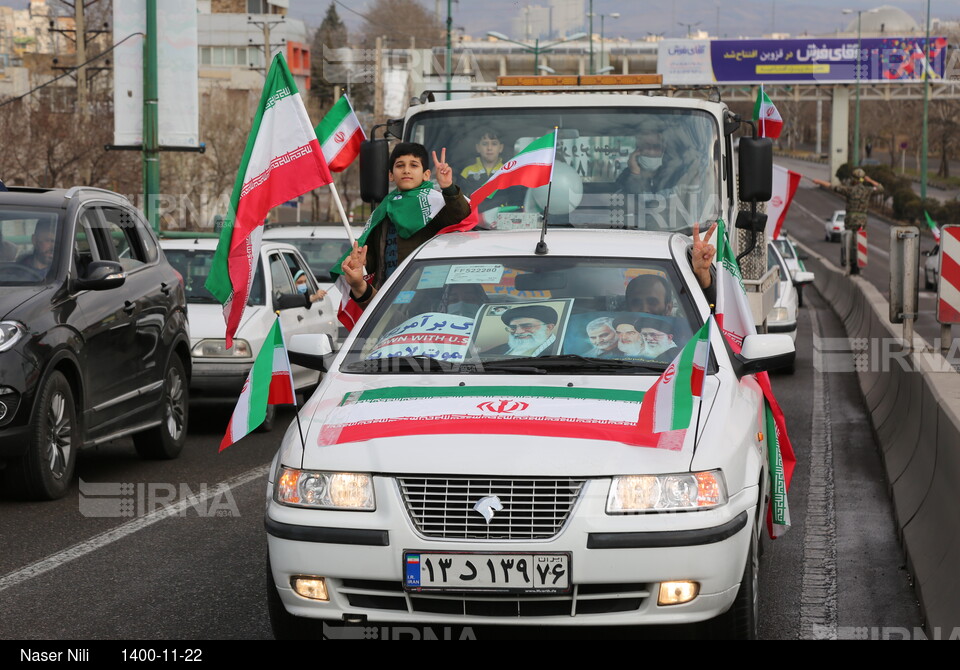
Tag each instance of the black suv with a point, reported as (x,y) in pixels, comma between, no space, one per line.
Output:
(93,336)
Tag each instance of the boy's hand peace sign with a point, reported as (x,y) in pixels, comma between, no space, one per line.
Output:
(703,253)
(444,171)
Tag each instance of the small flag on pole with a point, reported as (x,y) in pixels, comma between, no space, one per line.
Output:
(668,405)
(765,115)
(340,135)
(933,226)
(269,382)
(281,162)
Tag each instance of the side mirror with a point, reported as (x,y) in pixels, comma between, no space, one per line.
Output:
(756,169)
(761,353)
(102,276)
(311,350)
(802,278)
(374,166)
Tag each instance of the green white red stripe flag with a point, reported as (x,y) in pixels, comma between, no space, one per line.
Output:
(268,383)
(282,161)
(736,322)
(532,167)
(669,403)
(933,226)
(340,135)
(765,115)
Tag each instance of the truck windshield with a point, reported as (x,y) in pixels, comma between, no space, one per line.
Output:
(632,167)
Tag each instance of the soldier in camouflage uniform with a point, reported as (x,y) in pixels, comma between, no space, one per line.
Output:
(857,192)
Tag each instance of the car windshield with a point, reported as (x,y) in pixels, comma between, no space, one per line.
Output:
(29,241)
(528,315)
(319,252)
(786,249)
(640,168)
(194,266)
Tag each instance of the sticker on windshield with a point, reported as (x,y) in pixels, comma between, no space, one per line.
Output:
(475,274)
(433,276)
(533,328)
(436,335)
(404,297)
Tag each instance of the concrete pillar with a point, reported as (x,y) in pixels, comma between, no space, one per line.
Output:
(839,129)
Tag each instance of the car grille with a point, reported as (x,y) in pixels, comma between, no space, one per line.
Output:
(584,600)
(443,507)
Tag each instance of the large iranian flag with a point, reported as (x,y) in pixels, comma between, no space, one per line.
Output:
(735,319)
(340,135)
(268,383)
(765,115)
(531,167)
(585,413)
(282,161)
(669,403)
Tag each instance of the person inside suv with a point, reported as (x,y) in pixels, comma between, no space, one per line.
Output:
(44,241)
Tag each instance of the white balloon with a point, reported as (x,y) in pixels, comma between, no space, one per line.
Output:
(567,190)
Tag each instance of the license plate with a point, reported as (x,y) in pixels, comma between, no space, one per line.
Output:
(448,571)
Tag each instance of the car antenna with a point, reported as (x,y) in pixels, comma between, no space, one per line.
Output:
(541,248)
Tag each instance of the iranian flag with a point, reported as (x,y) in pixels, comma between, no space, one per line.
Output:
(669,403)
(734,315)
(933,226)
(281,162)
(532,167)
(785,184)
(735,319)
(340,135)
(268,383)
(766,116)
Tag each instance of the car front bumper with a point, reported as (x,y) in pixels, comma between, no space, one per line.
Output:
(616,564)
(218,378)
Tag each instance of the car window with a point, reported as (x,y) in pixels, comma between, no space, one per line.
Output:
(280,278)
(294,265)
(320,253)
(117,236)
(29,245)
(495,309)
(194,266)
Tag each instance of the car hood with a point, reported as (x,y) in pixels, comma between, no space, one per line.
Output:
(438,424)
(12,297)
(206,320)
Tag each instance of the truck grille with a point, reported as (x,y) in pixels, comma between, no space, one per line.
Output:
(443,507)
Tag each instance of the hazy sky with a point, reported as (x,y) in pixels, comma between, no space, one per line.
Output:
(639,17)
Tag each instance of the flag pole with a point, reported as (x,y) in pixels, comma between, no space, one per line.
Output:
(343,214)
(541,248)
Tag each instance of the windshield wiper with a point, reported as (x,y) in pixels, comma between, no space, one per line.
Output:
(402,364)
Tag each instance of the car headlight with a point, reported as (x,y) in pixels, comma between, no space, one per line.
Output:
(218,349)
(10,332)
(666,493)
(778,314)
(325,490)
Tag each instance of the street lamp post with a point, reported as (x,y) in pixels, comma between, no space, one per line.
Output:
(612,15)
(591,38)
(536,49)
(856,115)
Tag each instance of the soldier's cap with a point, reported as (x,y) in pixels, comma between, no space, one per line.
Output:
(859,174)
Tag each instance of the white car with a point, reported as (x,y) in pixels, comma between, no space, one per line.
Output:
(834,227)
(321,245)
(473,455)
(793,259)
(218,372)
(931,268)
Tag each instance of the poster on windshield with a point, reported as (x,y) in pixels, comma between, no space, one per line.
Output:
(533,328)
(796,61)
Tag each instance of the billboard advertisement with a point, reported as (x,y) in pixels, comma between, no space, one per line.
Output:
(801,61)
(177,83)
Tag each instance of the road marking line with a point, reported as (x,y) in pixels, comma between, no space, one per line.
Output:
(818,592)
(96,542)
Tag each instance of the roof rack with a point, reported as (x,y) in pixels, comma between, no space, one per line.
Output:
(74,190)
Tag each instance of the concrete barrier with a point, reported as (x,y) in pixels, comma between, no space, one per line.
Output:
(915,413)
